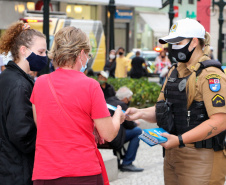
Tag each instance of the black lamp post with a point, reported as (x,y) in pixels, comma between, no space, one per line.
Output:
(221,5)
(171,13)
(111,8)
(171,16)
(46,32)
(46,21)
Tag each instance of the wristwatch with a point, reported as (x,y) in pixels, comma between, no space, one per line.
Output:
(181,145)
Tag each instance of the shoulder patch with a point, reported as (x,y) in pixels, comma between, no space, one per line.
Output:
(213,76)
(218,101)
(214,82)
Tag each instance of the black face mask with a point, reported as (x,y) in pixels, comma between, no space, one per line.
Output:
(120,53)
(182,55)
(163,57)
(37,62)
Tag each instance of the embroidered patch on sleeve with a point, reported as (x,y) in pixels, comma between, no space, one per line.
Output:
(214,82)
(218,101)
(213,76)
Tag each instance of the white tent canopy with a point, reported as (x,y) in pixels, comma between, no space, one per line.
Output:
(128,3)
(159,23)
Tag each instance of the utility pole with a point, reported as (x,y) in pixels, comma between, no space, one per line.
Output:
(171,16)
(111,8)
(46,32)
(220,4)
(46,21)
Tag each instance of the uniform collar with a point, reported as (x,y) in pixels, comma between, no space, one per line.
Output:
(185,70)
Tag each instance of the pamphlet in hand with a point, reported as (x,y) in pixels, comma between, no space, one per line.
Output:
(111,107)
(152,136)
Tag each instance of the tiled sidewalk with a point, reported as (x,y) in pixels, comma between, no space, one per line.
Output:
(149,158)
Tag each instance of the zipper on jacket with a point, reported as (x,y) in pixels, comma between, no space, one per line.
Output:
(188,117)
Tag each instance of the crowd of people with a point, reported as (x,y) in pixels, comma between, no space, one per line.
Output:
(119,66)
(49,129)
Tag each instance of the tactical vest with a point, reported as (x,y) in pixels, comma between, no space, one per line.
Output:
(186,119)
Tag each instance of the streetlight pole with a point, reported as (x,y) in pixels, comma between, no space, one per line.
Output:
(46,32)
(221,5)
(171,13)
(46,21)
(111,8)
(171,16)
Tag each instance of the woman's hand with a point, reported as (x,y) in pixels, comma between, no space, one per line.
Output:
(108,127)
(172,142)
(119,114)
(133,114)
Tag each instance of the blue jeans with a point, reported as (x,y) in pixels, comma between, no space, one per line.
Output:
(132,136)
(162,80)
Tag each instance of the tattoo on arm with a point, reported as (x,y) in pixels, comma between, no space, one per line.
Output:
(211,131)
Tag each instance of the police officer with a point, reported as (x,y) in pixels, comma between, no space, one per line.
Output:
(191,107)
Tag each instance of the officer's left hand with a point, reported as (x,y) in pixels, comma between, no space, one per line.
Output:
(172,142)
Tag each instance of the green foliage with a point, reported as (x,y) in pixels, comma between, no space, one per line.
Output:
(145,93)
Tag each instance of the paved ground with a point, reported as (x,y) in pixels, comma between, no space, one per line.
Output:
(149,158)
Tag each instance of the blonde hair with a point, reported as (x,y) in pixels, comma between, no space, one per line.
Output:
(68,44)
(191,85)
(15,36)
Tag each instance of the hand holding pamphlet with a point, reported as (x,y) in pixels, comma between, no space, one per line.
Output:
(111,107)
(152,136)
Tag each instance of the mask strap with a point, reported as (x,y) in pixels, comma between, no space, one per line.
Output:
(29,50)
(81,60)
(25,58)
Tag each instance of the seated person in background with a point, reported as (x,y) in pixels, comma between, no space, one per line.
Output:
(137,70)
(122,98)
(108,89)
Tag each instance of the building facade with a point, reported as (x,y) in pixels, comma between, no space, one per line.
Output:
(153,23)
(85,9)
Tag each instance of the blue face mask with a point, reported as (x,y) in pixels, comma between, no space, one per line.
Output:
(84,67)
(37,62)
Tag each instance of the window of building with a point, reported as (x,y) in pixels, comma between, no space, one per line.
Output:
(81,11)
(179,1)
(190,1)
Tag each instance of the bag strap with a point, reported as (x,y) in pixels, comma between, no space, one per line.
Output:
(209,63)
(104,172)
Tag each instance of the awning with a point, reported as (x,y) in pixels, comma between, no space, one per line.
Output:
(159,23)
(127,3)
